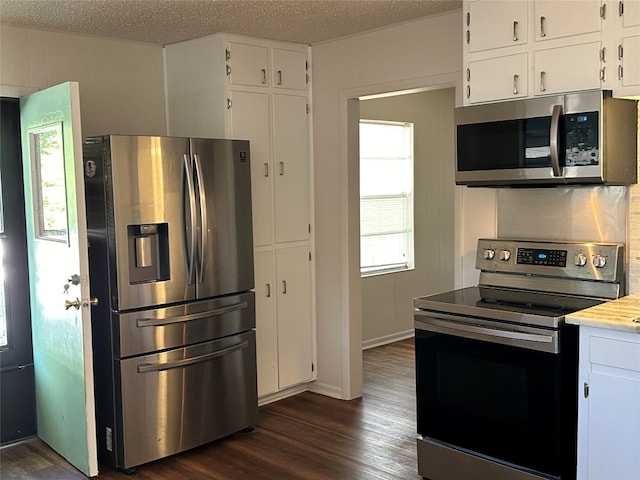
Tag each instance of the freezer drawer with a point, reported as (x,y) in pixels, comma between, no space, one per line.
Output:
(179,399)
(147,331)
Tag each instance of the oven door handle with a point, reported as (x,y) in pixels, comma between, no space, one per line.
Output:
(531,341)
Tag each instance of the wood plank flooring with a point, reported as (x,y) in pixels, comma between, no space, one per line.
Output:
(307,437)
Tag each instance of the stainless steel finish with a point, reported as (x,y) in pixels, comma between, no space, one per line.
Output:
(585,390)
(620,52)
(617,139)
(151,385)
(555,157)
(169,223)
(620,8)
(542,77)
(264,76)
(603,54)
(279,77)
(603,74)
(612,271)
(603,11)
(515,31)
(515,84)
(266,169)
(170,327)
(281,168)
(495,332)
(191,226)
(438,461)
(542,32)
(563,213)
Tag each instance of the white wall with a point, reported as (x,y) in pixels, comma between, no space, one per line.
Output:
(424,53)
(387,300)
(121,83)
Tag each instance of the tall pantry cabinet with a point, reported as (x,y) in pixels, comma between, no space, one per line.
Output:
(246,88)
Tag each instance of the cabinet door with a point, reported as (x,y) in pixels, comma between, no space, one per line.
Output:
(248,64)
(266,331)
(289,69)
(630,13)
(250,116)
(498,78)
(630,72)
(291,162)
(565,18)
(614,427)
(495,24)
(294,316)
(555,69)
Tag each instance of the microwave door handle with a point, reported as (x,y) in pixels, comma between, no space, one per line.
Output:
(553,140)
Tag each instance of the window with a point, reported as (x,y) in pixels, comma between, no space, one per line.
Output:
(386,196)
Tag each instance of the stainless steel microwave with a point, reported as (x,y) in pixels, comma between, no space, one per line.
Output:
(578,138)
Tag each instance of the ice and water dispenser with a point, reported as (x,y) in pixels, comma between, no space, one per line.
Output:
(148,252)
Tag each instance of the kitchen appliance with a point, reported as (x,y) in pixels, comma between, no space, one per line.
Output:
(578,138)
(171,264)
(496,365)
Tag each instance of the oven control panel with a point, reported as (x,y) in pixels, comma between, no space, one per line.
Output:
(589,260)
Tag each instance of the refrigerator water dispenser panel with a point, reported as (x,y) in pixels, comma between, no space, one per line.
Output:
(148,252)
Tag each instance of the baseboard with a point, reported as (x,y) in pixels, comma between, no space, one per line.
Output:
(326,390)
(287,392)
(394,337)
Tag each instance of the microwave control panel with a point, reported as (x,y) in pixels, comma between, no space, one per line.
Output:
(581,139)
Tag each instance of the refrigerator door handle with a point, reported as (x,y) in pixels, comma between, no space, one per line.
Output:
(204,227)
(192,218)
(159,322)
(156,367)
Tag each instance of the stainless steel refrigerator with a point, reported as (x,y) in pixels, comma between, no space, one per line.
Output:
(171,264)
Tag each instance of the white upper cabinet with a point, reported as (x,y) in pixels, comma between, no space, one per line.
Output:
(555,69)
(499,78)
(626,38)
(247,64)
(527,48)
(508,22)
(556,19)
(289,69)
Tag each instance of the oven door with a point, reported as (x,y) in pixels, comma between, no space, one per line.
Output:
(489,389)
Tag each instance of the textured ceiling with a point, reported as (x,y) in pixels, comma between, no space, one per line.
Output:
(169,21)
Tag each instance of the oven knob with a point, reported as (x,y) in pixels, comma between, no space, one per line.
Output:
(580,260)
(599,261)
(505,255)
(489,254)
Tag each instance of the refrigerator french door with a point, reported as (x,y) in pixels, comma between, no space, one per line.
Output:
(171,262)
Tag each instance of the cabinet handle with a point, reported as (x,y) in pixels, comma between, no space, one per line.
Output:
(228,69)
(542,32)
(620,52)
(603,54)
(620,8)
(603,11)
(515,84)
(468,91)
(469,18)
(585,390)
(266,169)
(620,72)
(284,286)
(264,76)
(279,77)
(268,285)
(543,74)
(468,74)
(281,168)
(515,31)
(603,74)
(468,36)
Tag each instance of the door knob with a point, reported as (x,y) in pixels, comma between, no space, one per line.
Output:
(73,303)
(93,301)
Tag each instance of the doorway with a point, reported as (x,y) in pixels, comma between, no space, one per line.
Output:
(387,299)
(17,389)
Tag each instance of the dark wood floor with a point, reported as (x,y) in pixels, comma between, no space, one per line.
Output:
(307,436)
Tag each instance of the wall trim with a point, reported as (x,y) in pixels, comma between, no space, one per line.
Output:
(386,339)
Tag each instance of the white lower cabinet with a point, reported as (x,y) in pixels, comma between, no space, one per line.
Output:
(608,405)
(284,328)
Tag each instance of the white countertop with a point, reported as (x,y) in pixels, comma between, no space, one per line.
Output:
(614,315)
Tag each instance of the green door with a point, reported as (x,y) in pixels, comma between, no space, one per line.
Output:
(59,273)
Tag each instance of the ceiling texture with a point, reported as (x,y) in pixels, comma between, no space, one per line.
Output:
(169,21)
